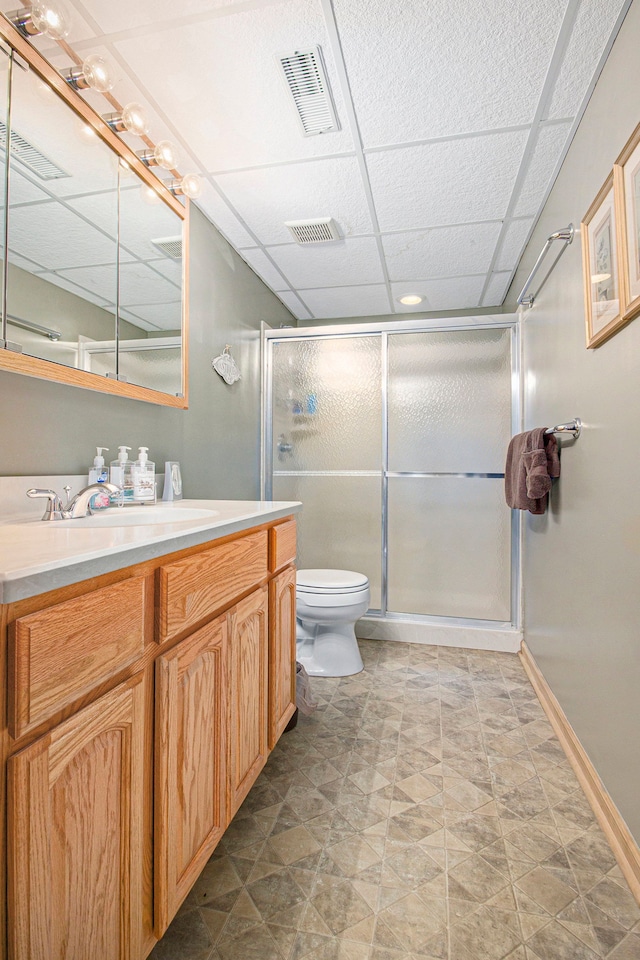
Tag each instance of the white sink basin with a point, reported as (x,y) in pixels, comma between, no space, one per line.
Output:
(139,516)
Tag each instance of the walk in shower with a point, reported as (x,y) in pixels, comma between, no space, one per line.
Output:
(394,437)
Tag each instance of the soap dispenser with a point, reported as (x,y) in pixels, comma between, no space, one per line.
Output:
(98,472)
(121,473)
(144,477)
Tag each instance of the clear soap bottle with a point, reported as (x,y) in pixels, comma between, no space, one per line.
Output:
(121,473)
(144,478)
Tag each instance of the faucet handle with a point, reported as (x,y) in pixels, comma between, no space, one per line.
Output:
(67,490)
(53,509)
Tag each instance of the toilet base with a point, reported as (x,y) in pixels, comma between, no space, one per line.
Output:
(328,650)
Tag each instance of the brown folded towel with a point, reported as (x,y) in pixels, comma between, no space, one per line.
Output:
(532,460)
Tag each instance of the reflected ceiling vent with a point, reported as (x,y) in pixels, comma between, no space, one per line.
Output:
(170,246)
(324,230)
(306,78)
(30,156)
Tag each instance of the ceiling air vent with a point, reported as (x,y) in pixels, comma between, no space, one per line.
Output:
(306,78)
(170,246)
(30,156)
(324,230)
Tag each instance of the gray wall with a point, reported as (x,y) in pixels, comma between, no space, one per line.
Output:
(582,559)
(48,428)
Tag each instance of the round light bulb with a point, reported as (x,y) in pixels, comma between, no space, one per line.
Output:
(135,120)
(51,19)
(410,299)
(166,155)
(96,74)
(191,186)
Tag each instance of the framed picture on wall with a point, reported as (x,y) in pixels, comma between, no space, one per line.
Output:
(626,174)
(601,266)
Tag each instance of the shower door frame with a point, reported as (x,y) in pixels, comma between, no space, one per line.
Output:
(384,329)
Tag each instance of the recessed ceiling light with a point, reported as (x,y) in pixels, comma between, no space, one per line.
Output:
(411,299)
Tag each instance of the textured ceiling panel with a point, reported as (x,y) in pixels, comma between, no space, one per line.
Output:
(546,154)
(260,262)
(166,315)
(101,281)
(445,183)
(512,244)
(293,303)
(53,235)
(456,68)
(496,289)
(443,252)
(75,289)
(220,213)
(323,188)
(589,36)
(338,264)
(119,15)
(224,91)
(347,302)
(139,283)
(456,293)
(22,189)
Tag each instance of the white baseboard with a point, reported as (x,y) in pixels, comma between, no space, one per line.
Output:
(505,640)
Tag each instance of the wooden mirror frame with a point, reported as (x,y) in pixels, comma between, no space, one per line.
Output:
(46,369)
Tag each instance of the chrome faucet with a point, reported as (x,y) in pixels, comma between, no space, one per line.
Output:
(79,506)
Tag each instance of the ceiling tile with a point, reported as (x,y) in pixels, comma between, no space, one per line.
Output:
(75,289)
(260,262)
(442,252)
(445,183)
(221,85)
(220,213)
(294,305)
(167,316)
(120,15)
(338,264)
(591,31)
(513,242)
(454,68)
(53,235)
(497,289)
(267,197)
(452,294)
(546,153)
(369,301)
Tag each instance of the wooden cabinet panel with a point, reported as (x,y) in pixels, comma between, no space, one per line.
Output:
(282,544)
(193,588)
(61,653)
(190,792)
(75,835)
(282,652)
(248,707)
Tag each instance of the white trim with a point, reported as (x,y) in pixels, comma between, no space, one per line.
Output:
(499,639)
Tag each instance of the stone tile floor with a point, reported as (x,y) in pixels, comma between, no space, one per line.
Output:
(424,812)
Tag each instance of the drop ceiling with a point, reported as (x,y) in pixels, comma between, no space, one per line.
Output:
(454,119)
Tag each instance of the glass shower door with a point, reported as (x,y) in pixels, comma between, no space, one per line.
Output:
(326,423)
(449,422)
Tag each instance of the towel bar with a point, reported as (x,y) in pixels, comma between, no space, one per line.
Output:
(566,235)
(573,427)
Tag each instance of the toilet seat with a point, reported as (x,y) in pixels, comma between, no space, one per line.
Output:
(330,582)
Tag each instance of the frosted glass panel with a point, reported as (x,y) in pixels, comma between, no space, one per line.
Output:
(327,404)
(159,368)
(339,526)
(449,547)
(449,401)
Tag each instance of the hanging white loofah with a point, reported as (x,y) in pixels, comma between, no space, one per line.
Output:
(226,366)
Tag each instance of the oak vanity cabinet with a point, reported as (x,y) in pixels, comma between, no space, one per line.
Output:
(141,708)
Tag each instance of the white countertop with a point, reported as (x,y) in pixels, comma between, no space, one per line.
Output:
(37,556)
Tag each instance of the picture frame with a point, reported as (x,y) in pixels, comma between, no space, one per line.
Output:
(603,281)
(626,174)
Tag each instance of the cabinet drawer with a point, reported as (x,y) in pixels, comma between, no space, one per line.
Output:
(282,544)
(193,588)
(61,653)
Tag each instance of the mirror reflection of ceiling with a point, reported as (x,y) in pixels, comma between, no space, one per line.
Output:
(454,118)
(64,214)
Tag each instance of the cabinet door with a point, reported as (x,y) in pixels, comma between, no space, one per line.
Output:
(247,694)
(75,835)
(191,743)
(282,652)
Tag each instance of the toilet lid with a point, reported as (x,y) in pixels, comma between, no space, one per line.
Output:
(330,580)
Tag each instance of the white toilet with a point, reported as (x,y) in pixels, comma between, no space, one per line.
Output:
(328,603)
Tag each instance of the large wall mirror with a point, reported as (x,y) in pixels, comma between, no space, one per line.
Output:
(94,283)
